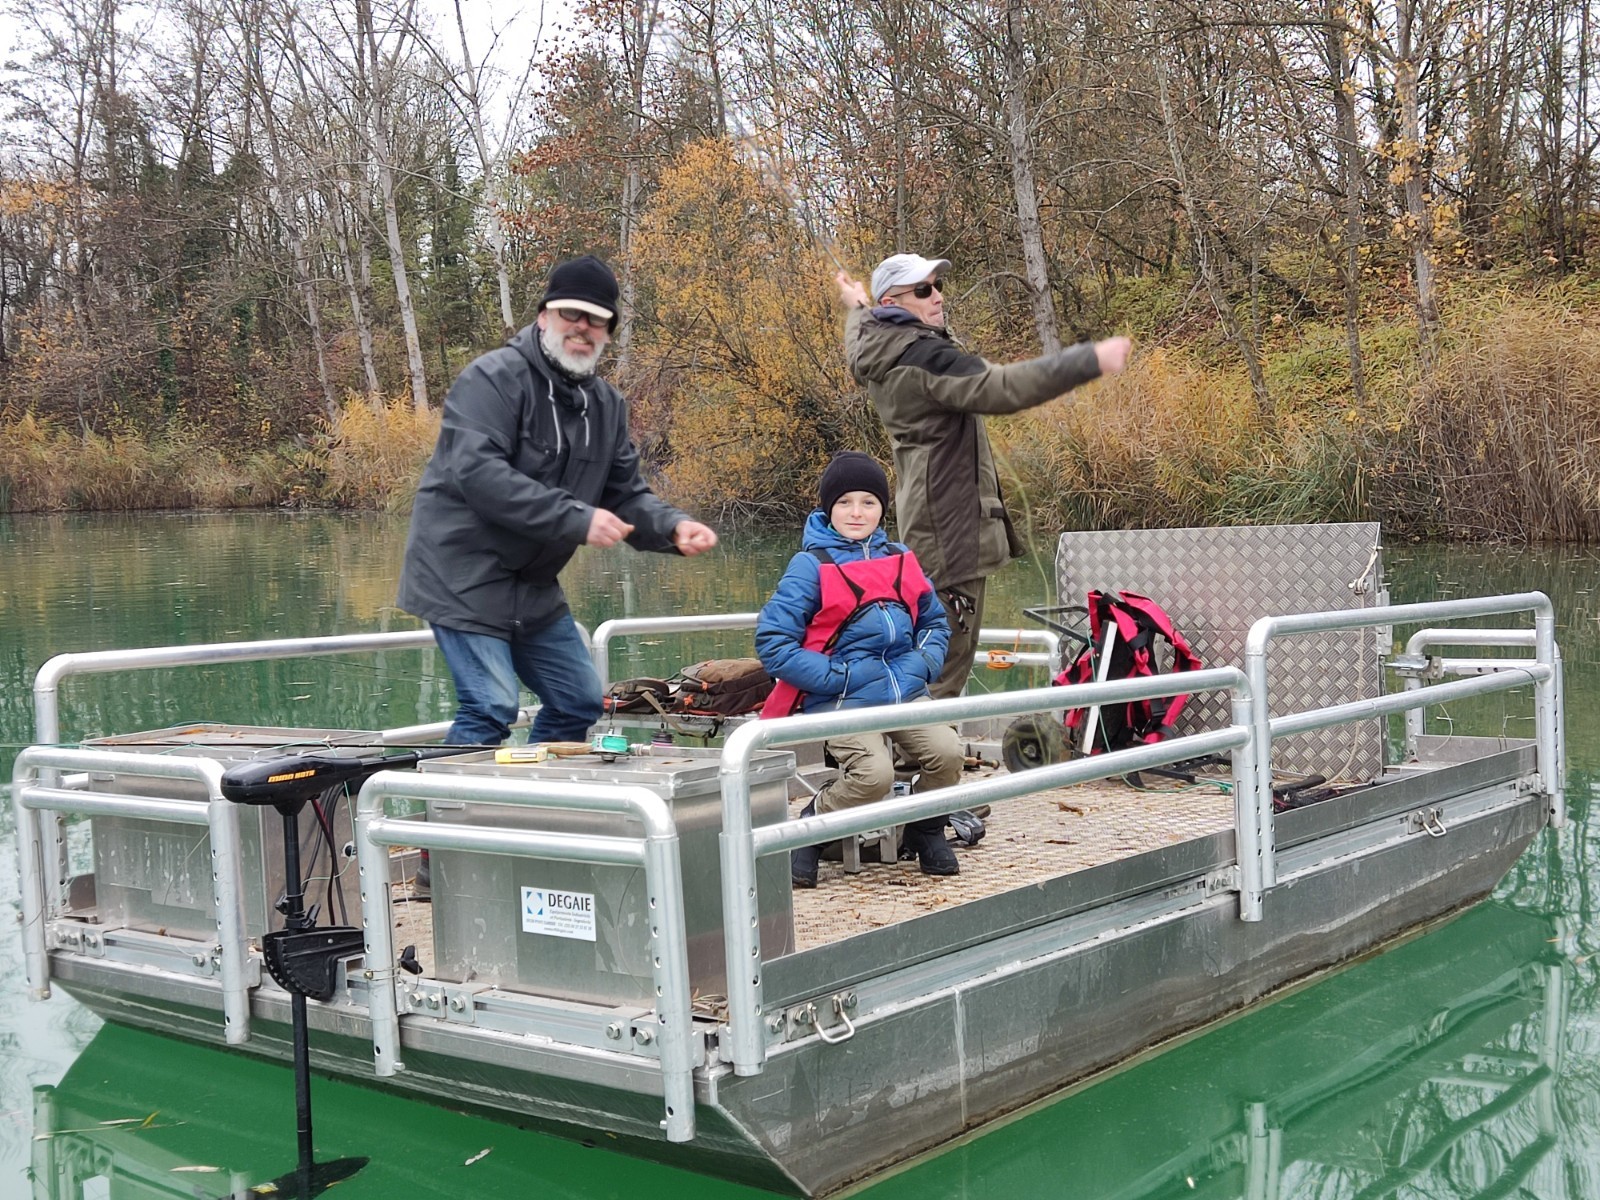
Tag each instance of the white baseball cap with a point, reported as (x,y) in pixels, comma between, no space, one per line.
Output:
(900,269)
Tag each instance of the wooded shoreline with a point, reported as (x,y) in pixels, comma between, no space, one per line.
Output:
(244,248)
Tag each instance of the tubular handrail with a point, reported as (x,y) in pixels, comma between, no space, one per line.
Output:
(1252,729)
(657,852)
(1418,642)
(608,631)
(46,720)
(220,817)
(739,841)
(1544,675)
(47,681)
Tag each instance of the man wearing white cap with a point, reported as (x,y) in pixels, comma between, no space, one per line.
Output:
(931,396)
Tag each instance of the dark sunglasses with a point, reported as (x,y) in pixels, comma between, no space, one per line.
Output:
(923,290)
(576,316)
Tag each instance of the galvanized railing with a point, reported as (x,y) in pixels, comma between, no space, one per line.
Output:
(611,631)
(1417,666)
(32,798)
(1542,672)
(1253,730)
(742,844)
(657,852)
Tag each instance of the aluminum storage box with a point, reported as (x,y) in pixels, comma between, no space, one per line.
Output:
(156,876)
(600,955)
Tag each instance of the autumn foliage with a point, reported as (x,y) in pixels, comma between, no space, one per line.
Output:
(743,344)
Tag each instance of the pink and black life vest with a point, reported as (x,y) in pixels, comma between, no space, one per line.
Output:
(847,590)
(1139,622)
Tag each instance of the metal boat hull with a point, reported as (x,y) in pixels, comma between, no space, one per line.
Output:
(960,1017)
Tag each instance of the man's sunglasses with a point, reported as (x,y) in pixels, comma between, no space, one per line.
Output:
(576,316)
(923,290)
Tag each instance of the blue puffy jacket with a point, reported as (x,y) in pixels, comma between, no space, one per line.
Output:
(884,655)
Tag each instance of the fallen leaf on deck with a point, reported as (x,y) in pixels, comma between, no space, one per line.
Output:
(1071,808)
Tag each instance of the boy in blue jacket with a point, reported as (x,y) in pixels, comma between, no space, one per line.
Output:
(854,622)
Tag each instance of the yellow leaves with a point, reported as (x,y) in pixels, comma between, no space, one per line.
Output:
(745,340)
(372,453)
(31,197)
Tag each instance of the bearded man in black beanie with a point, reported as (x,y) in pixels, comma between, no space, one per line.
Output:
(534,459)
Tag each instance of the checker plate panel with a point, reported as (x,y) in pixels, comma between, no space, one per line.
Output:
(1216,582)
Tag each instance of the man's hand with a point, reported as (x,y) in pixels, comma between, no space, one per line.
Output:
(852,293)
(1113,354)
(691,538)
(606,528)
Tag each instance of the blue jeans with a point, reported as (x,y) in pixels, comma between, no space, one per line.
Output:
(552,661)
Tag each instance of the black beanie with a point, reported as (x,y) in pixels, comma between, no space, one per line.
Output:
(585,279)
(853,471)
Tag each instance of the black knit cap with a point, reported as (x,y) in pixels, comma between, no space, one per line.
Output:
(589,282)
(853,471)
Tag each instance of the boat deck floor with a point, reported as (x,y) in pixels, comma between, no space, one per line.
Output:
(1028,840)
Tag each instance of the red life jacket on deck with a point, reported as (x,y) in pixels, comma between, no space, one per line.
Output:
(847,589)
(1139,621)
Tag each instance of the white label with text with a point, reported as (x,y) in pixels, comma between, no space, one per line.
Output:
(559,914)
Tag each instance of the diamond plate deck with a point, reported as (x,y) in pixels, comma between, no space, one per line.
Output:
(1215,583)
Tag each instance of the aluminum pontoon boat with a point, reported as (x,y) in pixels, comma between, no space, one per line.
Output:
(614,946)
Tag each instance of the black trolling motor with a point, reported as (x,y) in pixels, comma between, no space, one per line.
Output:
(303,958)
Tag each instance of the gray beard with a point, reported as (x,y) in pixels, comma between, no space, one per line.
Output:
(578,368)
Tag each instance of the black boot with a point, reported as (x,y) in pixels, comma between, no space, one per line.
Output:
(803,862)
(803,866)
(934,855)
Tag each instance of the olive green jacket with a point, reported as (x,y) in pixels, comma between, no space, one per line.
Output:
(930,395)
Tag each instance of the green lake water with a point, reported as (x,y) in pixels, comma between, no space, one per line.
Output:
(1463,1063)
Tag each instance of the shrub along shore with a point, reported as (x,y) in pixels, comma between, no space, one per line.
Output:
(1497,441)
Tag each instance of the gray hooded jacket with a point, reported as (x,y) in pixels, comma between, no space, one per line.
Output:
(930,395)
(524,457)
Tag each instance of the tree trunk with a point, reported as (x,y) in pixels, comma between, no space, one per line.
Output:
(645,14)
(1029,228)
(1411,173)
(359,309)
(1348,148)
(494,231)
(382,148)
(1208,272)
(402,286)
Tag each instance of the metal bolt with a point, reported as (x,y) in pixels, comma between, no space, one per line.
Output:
(614,1031)
(198,959)
(643,1035)
(433,1000)
(416,1000)
(458,1004)
(774,1023)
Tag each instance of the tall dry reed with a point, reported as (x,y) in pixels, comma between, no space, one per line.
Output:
(371,455)
(1506,432)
